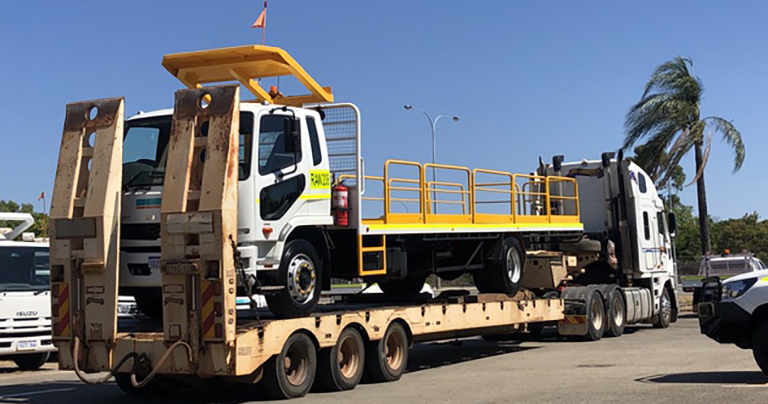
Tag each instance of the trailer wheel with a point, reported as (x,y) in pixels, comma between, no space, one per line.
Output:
(506,274)
(388,357)
(616,311)
(31,361)
(300,274)
(664,316)
(760,345)
(408,286)
(341,367)
(290,373)
(595,316)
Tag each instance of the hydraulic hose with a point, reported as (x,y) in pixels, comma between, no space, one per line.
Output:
(131,355)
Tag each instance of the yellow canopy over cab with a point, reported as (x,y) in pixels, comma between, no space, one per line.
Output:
(245,64)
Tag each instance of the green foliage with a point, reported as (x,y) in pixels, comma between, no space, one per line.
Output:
(40,227)
(746,233)
(645,157)
(668,117)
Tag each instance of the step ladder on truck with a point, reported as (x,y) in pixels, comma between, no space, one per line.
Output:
(243,213)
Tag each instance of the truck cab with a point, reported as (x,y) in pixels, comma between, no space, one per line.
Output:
(25,308)
(620,206)
(284,184)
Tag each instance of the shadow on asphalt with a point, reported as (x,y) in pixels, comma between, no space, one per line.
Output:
(422,357)
(436,354)
(734,377)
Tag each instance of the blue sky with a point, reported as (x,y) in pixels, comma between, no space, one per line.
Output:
(526,78)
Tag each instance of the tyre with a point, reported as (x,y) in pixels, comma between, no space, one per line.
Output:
(150,303)
(387,357)
(615,309)
(300,273)
(595,308)
(664,316)
(341,367)
(291,373)
(408,286)
(506,274)
(31,361)
(760,345)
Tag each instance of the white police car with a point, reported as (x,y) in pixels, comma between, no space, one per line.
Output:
(735,311)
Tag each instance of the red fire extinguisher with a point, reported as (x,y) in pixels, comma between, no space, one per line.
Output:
(340,205)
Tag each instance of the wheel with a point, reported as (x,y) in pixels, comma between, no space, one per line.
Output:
(616,310)
(31,361)
(595,316)
(341,367)
(408,286)
(505,274)
(388,357)
(482,283)
(664,316)
(150,303)
(290,373)
(760,345)
(300,274)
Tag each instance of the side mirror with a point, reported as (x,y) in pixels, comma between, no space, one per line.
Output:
(291,135)
(672,223)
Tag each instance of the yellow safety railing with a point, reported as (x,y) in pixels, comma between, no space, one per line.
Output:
(405,188)
(433,193)
(516,198)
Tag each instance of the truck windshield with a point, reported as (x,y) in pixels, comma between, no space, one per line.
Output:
(24,268)
(145,150)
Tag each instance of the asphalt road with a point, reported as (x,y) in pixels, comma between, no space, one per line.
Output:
(677,365)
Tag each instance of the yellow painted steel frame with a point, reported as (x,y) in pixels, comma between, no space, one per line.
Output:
(245,65)
(531,198)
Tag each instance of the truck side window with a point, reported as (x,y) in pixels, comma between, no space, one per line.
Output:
(660,222)
(275,200)
(641,183)
(646,226)
(314,141)
(272,154)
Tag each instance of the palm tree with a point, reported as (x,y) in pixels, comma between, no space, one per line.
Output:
(668,117)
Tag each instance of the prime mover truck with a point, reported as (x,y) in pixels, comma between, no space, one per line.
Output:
(270,196)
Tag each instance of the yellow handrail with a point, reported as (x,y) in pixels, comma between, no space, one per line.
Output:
(531,198)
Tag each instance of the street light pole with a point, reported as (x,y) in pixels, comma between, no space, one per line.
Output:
(433,127)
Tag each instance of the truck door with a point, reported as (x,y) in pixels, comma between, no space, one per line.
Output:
(282,169)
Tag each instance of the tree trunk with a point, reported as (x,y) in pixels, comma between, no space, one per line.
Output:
(701,194)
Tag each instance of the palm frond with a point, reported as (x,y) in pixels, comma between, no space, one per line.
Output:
(732,137)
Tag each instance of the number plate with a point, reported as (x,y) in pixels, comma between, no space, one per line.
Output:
(181,268)
(154,263)
(26,345)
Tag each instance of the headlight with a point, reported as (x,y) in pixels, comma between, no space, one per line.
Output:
(732,290)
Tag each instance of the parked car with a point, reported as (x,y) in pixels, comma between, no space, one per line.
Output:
(722,266)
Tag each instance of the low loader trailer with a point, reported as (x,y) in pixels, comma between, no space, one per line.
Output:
(245,207)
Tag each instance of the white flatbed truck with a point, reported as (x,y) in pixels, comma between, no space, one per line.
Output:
(588,251)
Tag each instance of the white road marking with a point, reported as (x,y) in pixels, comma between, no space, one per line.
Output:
(31,393)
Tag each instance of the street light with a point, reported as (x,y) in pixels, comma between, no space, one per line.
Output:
(433,127)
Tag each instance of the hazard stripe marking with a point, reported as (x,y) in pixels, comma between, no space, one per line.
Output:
(208,315)
(63,326)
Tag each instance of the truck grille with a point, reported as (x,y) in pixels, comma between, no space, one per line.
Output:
(140,231)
